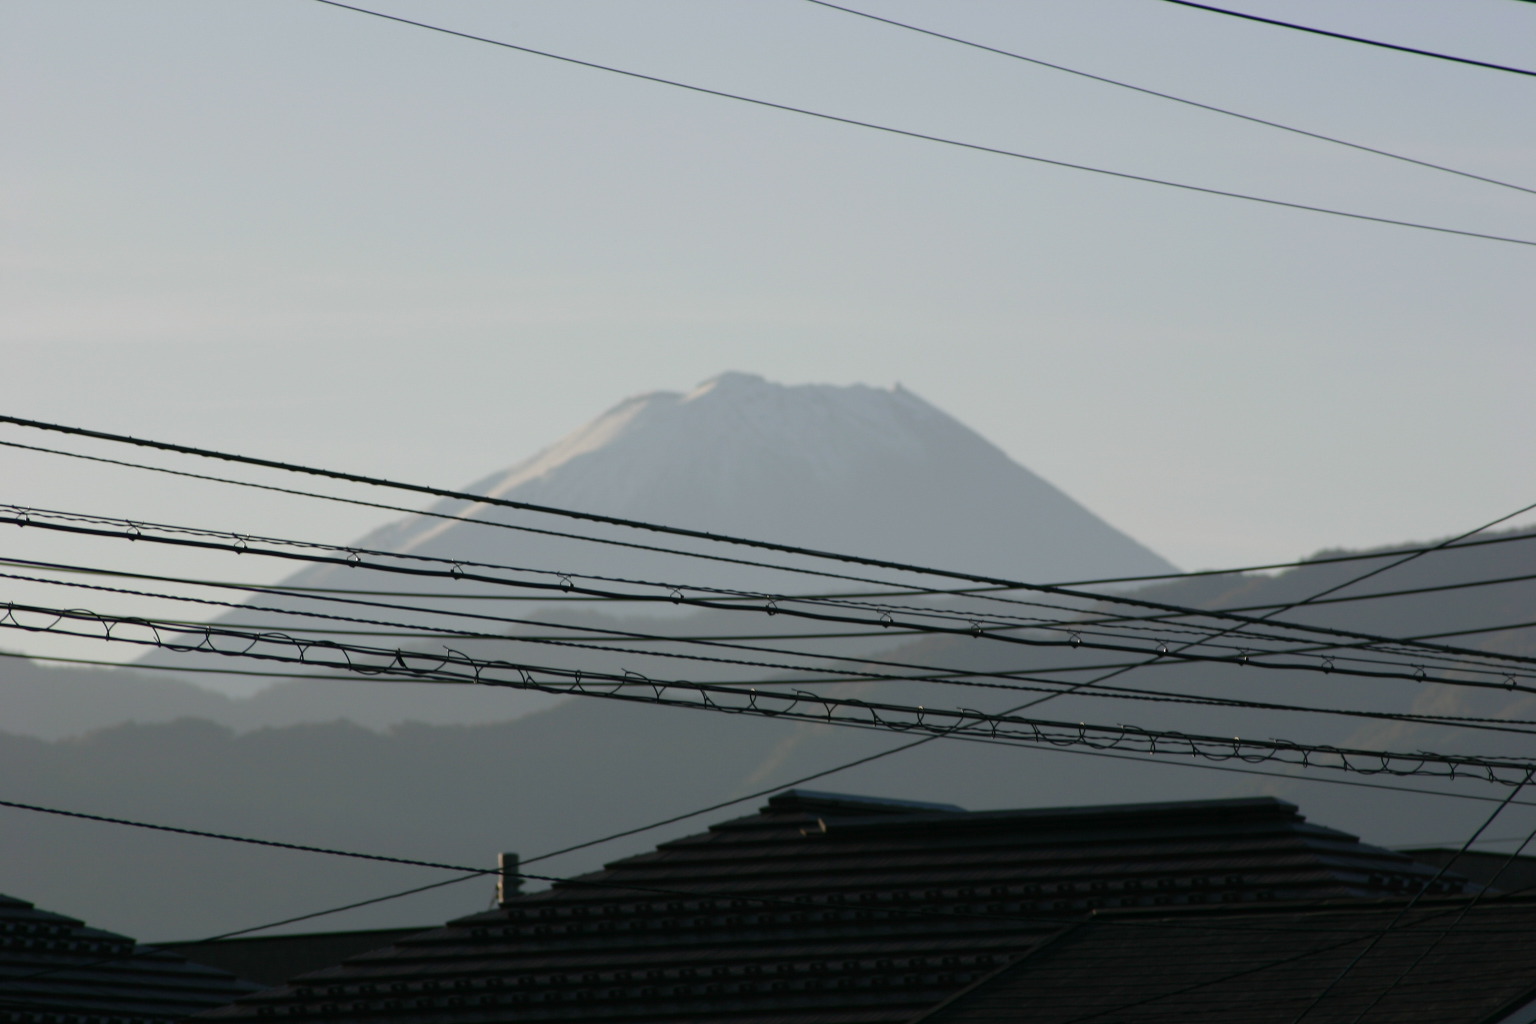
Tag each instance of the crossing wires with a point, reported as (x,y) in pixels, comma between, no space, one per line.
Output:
(938,139)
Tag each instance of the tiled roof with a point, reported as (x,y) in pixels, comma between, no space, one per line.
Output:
(1494,870)
(1445,961)
(270,959)
(832,910)
(56,970)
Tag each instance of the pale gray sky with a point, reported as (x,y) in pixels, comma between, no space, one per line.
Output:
(289,230)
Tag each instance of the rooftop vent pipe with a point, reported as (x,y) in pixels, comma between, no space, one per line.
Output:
(509,883)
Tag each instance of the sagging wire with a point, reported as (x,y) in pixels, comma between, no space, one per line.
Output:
(457,667)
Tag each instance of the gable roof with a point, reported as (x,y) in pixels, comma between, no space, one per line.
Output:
(822,909)
(56,969)
(1446,961)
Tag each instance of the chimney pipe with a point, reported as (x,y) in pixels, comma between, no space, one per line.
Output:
(509,883)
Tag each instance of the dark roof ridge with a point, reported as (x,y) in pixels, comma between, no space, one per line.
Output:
(806,800)
(171,944)
(1267,805)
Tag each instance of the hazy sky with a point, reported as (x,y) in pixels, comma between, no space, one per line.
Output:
(290,230)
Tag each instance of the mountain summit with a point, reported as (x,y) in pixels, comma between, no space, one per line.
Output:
(857,470)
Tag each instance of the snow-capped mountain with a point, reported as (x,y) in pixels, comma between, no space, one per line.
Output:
(858,470)
(863,471)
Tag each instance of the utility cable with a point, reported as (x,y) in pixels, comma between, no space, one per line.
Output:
(1301,563)
(1452,541)
(974,628)
(1057,588)
(431,514)
(468,520)
(1396,920)
(843,767)
(1438,588)
(1455,923)
(477,873)
(1145,578)
(1286,961)
(195,669)
(1019,679)
(1006,727)
(670,593)
(1222,979)
(799,903)
(589,630)
(472,873)
(1169,96)
(925,137)
(1099,679)
(1340,35)
(1526,624)
(935,673)
(584,630)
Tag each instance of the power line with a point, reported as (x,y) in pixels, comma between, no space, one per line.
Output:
(1437,588)
(1169,96)
(906,133)
(429,513)
(1340,35)
(1233,976)
(133,531)
(1527,624)
(447,634)
(798,903)
(588,631)
(1449,542)
(557,582)
(1124,621)
(920,742)
(483,872)
(933,674)
(1285,961)
(771,900)
(1301,563)
(1019,679)
(965,678)
(1005,727)
(1006,584)
(1460,917)
(1407,558)
(472,873)
(963,737)
(240,544)
(194,669)
(974,628)
(1397,919)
